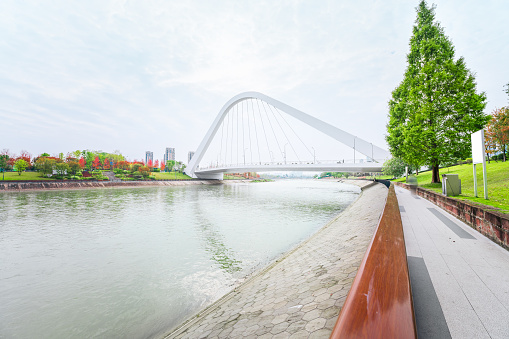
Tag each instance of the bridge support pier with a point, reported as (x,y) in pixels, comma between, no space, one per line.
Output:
(210,176)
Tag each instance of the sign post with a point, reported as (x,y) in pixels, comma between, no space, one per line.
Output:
(479,157)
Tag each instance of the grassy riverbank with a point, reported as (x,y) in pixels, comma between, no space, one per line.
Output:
(170,176)
(14,176)
(498,183)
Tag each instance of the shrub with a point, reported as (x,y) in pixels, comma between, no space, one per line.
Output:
(144,170)
(468,160)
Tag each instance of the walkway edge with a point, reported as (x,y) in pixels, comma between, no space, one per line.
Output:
(362,184)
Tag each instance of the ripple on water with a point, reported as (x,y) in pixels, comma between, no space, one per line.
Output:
(117,262)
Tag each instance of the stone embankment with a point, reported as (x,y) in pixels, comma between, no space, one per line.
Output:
(484,219)
(301,294)
(9,186)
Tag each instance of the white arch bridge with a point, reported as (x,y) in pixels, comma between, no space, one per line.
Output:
(263,131)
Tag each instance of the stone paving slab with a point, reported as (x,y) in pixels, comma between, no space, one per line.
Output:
(301,294)
(470,274)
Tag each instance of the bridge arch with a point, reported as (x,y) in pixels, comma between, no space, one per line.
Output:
(357,144)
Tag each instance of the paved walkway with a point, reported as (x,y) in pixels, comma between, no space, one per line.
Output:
(299,296)
(460,278)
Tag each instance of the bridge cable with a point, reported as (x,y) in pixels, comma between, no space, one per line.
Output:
(271,127)
(237,115)
(298,159)
(243,138)
(233,130)
(256,134)
(277,110)
(227,137)
(263,126)
(250,146)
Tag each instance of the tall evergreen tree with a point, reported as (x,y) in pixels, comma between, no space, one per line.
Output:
(436,107)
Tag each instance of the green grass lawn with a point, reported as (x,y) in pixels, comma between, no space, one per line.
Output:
(383,177)
(167,175)
(24,176)
(498,183)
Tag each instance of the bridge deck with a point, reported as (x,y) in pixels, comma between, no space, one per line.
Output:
(460,278)
(331,167)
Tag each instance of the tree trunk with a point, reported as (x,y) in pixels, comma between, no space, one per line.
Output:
(436,175)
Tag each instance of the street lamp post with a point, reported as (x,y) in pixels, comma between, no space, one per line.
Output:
(285,152)
(314,155)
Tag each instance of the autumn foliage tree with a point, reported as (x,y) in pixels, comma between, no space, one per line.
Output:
(489,142)
(124,165)
(27,157)
(497,131)
(96,163)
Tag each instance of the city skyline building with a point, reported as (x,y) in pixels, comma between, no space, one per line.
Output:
(169,154)
(149,156)
(189,156)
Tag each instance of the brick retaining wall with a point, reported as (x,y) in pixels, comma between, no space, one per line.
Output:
(493,224)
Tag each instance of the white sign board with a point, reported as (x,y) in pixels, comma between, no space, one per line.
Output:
(478,151)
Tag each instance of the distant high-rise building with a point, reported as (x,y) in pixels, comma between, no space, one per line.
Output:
(169,154)
(149,156)
(189,156)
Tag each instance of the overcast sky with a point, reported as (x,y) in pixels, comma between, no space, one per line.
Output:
(144,75)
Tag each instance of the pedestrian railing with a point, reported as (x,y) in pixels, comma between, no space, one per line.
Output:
(379,304)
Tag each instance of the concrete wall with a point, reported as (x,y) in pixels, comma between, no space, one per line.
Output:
(493,224)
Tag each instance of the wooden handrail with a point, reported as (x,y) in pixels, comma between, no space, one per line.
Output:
(379,304)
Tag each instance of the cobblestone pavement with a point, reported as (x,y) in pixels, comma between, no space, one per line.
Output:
(301,294)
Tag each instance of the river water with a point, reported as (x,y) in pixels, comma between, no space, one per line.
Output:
(117,263)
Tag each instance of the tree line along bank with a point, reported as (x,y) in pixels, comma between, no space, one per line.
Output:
(85,165)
